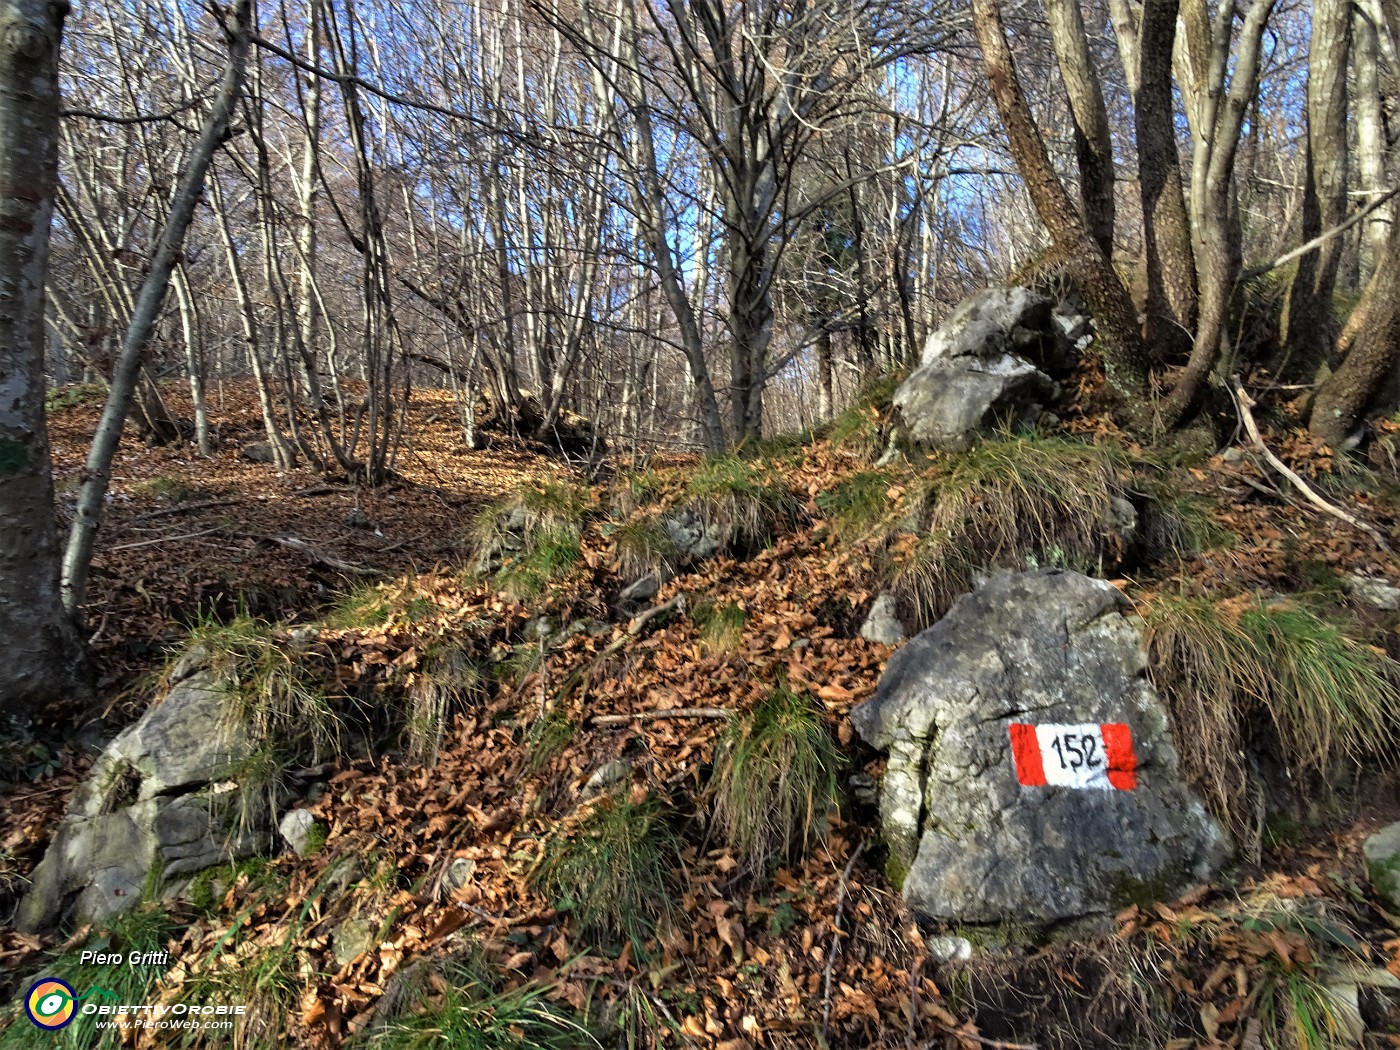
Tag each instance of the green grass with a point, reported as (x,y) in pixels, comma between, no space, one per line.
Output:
(367,605)
(859,428)
(550,554)
(1010,502)
(635,490)
(721,625)
(774,780)
(458,1005)
(860,504)
(555,506)
(60,397)
(447,680)
(146,929)
(170,489)
(1268,675)
(747,501)
(277,697)
(642,546)
(614,870)
(1178,523)
(548,736)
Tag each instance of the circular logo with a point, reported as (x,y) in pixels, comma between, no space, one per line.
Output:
(50,1003)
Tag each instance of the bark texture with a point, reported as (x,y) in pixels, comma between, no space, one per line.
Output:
(1171,269)
(45,659)
(1119,340)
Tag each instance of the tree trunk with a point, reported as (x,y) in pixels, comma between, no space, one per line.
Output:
(46,658)
(1092,141)
(1344,399)
(1118,338)
(1307,320)
(1370,140)
(1171,269)
(78,555)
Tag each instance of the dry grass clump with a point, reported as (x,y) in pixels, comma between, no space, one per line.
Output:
(1011,502)
(774,780)
(1242,676)
(746,501)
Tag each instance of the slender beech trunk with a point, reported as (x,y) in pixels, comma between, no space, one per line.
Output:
(1119,341)
(1307,319)
(46,658)
(1171,269)
(1092,141)
(98,469)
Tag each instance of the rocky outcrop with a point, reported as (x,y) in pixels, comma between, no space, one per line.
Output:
(992,361)
(1032,776)
(161,803)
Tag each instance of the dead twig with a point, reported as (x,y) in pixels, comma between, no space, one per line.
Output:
(165,539)
(673,712)
(835,948)
(185,508)
(1244,402)
(316,555)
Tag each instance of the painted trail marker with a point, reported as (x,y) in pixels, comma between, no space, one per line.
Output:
(1092,755)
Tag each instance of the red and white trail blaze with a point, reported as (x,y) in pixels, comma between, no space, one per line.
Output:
(1091,755)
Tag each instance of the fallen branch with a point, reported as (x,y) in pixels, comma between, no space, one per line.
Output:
(1244,403)
(185,508)
(670,712)
(1318,241)
(165,539)
(835,948)
(316,555)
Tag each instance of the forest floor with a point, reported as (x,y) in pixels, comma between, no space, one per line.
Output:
(821,954)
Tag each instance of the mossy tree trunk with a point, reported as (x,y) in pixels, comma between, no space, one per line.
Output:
(46,658)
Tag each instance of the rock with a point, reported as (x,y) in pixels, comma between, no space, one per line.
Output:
(984,836)
(985,324)
(161,801)
(949,949)
(979,369)
(258,452)
(864,790)
(458,873)
(642,589)
(882,625)
(295,828)
(1121,523)
(1382,853)
(1379,594)
(891,456)
(351,939)
(608,775)
(691,537)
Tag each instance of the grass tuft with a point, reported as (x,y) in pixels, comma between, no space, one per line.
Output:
(548,555)
(459,1005)
(613,869)
(774,780)
(642,546)
(721,626)
(746,501)
(276,696)
(1241,674)
(447,680)
(1010,502)
(146,929)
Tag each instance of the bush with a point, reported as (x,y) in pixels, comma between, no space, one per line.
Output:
(774,780)
(613,869)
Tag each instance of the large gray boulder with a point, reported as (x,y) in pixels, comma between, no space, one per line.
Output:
(161,803)
(980,368)
(1087,811)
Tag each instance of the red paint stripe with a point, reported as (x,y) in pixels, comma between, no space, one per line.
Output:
(1122,759)
(1025,748)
